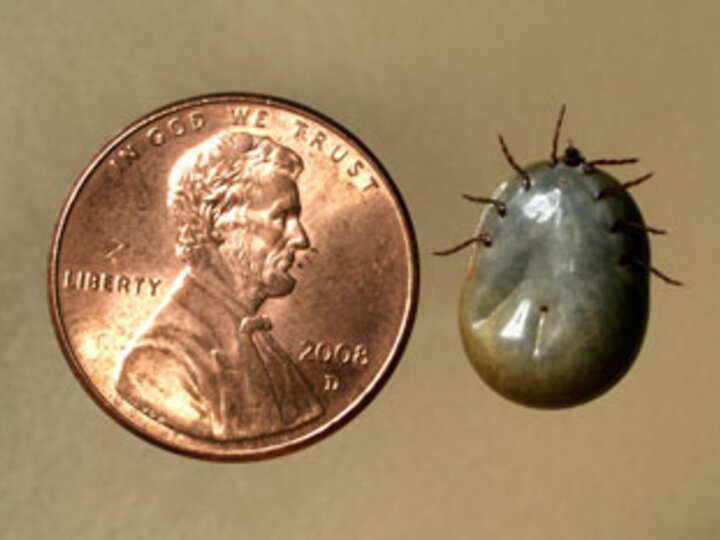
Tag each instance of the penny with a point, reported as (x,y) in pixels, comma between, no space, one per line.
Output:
(233,277)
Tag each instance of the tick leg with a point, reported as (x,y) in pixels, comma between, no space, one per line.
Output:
(556,137)
(499,205)
(647,266)
(623,187)
(622,161)
(482,237)
(623,224)
(522,172)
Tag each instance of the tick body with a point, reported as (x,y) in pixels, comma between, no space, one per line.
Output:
(554,307)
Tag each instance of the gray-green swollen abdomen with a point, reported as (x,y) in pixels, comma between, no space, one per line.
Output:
(550,315)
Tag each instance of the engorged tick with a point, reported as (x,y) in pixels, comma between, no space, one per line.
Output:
(555,304)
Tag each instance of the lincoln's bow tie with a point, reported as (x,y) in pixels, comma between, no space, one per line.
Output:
(248,325)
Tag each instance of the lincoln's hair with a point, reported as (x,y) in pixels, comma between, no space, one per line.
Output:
(215,176)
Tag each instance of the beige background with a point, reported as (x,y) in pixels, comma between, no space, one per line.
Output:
(427,86)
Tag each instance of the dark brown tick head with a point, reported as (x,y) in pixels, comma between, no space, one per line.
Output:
(572,157)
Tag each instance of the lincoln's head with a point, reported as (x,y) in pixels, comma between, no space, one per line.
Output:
(236,207)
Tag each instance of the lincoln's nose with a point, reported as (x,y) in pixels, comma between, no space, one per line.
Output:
(298,237)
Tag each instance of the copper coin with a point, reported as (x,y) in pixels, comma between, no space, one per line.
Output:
(233,277)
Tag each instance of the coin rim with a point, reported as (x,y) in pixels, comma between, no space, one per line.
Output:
(329,427)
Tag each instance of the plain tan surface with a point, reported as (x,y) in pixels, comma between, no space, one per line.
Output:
(427,86)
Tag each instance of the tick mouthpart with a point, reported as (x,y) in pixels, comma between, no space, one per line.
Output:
(572,157)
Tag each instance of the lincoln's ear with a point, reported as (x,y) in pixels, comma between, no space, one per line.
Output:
(232,218)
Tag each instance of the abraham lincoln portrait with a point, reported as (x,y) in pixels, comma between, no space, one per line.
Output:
(205,363)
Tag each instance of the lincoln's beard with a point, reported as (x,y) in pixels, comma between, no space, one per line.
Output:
(259,273)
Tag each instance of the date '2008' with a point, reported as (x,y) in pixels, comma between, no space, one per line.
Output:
(340,353)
